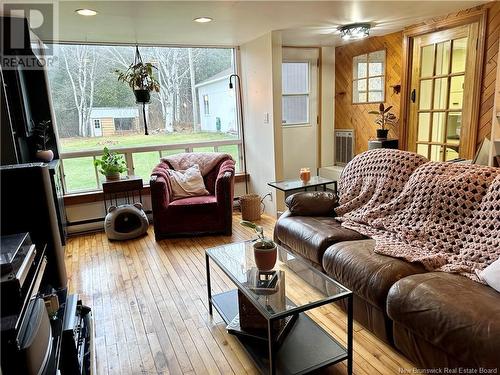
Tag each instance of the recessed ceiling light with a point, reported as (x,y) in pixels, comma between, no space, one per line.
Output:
(203,19)
(86,12)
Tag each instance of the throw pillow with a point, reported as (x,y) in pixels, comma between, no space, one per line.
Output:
(187,183)
(491,275)
(317,203)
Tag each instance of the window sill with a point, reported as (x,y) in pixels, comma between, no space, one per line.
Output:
(98,196)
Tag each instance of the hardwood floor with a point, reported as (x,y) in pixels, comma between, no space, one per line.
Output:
(150,309)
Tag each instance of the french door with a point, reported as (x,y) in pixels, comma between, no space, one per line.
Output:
(441,126)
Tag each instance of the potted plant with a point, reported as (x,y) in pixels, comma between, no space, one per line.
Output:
(41,136)
(383,120)
(139,76)
(111,165)
(265,249)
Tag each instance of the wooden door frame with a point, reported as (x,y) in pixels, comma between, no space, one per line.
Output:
(479,16)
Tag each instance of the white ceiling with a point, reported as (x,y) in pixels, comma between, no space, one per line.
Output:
(237,22)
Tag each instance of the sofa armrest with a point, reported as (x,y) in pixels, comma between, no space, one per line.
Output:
(160,194)
(284,215)
(224,185)
(314,203)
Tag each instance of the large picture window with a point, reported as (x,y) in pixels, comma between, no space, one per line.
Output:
(94,110)
(368,78)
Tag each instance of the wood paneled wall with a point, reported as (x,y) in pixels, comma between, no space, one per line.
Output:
(355,116)
(489,71)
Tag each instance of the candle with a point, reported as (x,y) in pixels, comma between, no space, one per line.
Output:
(305,175)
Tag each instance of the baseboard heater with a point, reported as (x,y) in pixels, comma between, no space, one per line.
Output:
(95,220)
(344,146)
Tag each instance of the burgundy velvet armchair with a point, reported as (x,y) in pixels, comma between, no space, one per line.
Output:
(197,215)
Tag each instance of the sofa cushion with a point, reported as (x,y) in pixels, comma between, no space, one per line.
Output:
(454,313)
(189,201)
(312,203)
(369,275)
(310,236)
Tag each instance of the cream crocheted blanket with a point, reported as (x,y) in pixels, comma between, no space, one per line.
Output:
(444,215)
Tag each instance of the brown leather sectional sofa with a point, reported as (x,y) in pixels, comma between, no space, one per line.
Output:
(436,319)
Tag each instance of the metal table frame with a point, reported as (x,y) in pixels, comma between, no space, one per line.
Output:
(272,348)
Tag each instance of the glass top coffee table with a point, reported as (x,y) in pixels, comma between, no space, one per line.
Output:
(266,310)
(290,187)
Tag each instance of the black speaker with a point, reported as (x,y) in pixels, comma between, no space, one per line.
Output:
(30,352)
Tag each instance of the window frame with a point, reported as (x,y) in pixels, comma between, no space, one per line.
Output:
(128,152)
(355,80)
(307,94)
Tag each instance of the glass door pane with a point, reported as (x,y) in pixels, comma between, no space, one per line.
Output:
(427,61)
(459,55)
(456,92)
(437,153)
(425,94)
(424,126)
(423,150)
(443,58)
(438,127)
(454,128)
(440,93)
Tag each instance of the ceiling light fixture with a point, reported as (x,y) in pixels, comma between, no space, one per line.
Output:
(86,12)
(355,31)
(203,19)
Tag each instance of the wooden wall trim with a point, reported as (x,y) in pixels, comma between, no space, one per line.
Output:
(447,22)
(405,92)
(477,14)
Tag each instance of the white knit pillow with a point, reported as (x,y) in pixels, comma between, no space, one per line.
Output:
(491,275)
(187,183)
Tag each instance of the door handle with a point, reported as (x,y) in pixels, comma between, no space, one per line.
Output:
(413,95)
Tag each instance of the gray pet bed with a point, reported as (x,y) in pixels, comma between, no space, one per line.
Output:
(125,222)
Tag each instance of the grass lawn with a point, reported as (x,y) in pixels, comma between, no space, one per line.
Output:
(137,140)
(80,173)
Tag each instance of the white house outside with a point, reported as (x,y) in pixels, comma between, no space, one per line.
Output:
(216,104)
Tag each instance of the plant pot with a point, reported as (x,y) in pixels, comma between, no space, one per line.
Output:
(45,155)
(382,133)
(142,96)
(113,176)
(265,259)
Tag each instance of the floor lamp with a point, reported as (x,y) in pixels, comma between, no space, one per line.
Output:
(237,78)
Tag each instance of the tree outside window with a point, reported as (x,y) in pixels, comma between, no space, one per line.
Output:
(93,110)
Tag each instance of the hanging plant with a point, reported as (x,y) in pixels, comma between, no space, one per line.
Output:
(139,76)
